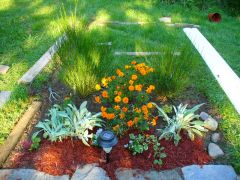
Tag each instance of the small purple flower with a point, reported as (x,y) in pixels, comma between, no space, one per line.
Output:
(27,144)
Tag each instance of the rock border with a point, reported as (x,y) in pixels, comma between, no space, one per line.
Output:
(94,172)
(17,131)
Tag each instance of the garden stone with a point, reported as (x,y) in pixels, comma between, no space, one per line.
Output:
(90,172)
(209,172)
(137,174)
(215,137)
(211,124)
(4,69)
(204,116)
(29,174)
(214,151)
(169,175)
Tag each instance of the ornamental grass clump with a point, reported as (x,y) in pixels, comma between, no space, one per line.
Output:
(125,98)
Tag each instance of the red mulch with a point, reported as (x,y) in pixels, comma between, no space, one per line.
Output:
(63,157)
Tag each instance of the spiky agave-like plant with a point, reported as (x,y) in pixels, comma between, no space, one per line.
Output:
(184,119)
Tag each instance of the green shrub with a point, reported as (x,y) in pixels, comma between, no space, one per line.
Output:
(172,72)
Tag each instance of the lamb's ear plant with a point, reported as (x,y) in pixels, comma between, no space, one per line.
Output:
(69,122)
(184,119)
(81,121)
(54,128)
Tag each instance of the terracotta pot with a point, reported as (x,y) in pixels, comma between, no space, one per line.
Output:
(214,17)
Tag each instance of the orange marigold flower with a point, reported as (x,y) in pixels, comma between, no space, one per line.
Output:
(121,115)
(119,93)
(104,82)
(124,109)
(152,87)
(144,108)
(104,114)
(125,100)
(135,120)
(105,94)
(149,105)
(127,67)
(116,107)
(145,112)
(113,77)
(103,109)
(134,77)
(138,88)
(119,73)
(110,116)
(154,122)
(117,99)
(97,99)
(145,117)
(131,88)
(115,128)
(133,62)
(148,90)
(97,87)
(143,72)
(131,82)
(138,110)
(130,123)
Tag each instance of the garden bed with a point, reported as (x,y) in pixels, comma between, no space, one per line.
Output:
(59,158)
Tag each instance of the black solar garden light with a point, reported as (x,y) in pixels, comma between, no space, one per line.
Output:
(106,140)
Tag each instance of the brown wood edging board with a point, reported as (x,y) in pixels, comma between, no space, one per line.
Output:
(17,131)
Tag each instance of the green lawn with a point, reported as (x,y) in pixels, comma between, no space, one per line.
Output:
(28,29)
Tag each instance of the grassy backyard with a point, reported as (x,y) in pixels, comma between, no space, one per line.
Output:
(29,28)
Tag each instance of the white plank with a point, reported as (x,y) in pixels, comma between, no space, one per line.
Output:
(29,76)
(117,53)
(4,97)
(183,25)
(124,22)
(136,53)
(223,73)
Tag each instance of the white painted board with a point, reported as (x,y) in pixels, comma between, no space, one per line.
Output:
(223,73)
(4,97)
(29,76)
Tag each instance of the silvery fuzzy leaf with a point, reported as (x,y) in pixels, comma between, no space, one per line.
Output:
(83,105)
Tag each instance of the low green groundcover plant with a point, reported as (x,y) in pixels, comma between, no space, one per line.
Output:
(140,143)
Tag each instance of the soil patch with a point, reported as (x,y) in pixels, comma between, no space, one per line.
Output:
(63,157)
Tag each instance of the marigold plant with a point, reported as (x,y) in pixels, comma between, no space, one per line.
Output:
(125,98)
